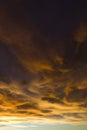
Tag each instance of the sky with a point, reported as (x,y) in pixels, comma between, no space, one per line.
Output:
(43,65)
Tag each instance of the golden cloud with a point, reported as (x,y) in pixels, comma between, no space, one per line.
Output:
(55,91)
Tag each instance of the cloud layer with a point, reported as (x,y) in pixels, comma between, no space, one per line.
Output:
(43,79)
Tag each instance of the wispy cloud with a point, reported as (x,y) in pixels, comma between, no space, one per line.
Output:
(39,84)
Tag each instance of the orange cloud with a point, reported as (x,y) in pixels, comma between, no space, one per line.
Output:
(56,91)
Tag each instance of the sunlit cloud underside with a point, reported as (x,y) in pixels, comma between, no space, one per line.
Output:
(42,80)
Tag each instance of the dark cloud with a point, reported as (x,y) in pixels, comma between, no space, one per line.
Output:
(77,95)
(84,105)
(27,106)
(43,61)
(75,115)
(46,111)
(10,67)
(52,100)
